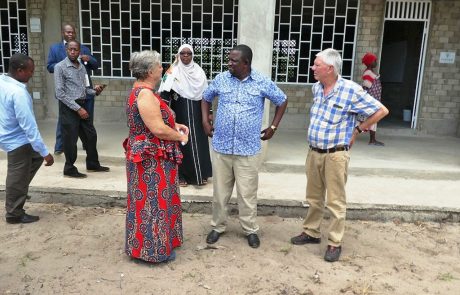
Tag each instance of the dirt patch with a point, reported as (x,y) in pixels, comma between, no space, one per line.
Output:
(80,250)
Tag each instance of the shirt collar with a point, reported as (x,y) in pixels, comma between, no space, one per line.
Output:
(68,63)
(254,75)
(10,79)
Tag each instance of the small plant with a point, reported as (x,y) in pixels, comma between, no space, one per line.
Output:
(447,277)
(286,250)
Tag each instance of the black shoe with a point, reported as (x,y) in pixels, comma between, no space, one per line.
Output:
(75,175)
(98,169)
(57,153)
(253,241)
(213,237)
(26,218)
(303,239)
(332,253)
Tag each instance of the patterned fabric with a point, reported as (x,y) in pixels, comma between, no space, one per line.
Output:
(333,118)
(371,83)
(154,216)
(240,109)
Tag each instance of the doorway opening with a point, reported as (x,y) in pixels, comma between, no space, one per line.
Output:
(402,59)
(399,66)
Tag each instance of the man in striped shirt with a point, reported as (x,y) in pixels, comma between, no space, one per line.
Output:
(331,133)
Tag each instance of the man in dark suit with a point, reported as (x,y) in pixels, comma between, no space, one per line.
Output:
(57,54)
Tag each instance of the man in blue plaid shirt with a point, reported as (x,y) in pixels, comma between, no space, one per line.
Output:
(332,131)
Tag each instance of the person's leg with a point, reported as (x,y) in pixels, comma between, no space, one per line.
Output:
(58,146)
(336,172)
(88,136)
(69,129)
(23,163)
(89,107)
(372,136)
(316,189)
(247,181)
(223,183)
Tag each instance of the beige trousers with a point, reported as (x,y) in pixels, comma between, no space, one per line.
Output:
(326,179)
(228,170)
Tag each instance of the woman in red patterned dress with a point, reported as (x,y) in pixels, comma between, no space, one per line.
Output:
(153,217)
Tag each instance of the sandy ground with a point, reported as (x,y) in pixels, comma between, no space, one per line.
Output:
(79,250)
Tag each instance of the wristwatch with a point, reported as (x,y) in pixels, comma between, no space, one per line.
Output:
(273,127)
(359,129)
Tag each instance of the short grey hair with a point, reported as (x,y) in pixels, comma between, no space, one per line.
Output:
(142,62)
(332,57)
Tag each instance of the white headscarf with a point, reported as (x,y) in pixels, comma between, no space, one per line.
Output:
(189,81)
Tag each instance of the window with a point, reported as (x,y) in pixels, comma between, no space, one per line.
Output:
(304,28)
(13,30)
(113,29)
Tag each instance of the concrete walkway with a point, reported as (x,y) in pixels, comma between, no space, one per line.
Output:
(413,172)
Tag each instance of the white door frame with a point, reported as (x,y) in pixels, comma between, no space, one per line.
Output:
(412,10)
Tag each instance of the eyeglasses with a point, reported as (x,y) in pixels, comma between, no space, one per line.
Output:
(185,53)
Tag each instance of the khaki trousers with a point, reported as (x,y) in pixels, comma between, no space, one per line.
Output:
(228,170)
(326,178)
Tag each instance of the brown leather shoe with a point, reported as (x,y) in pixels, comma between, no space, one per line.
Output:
(303,239)
(332,253)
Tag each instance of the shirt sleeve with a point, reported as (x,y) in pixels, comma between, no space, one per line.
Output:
(212,91)
(364,104)
(274,93)
(368,79)
(52,60)
(26,119)
(93,63)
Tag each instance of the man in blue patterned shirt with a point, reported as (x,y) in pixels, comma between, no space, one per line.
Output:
(332,131)
(236,138)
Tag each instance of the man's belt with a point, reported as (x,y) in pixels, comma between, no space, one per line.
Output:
(331,150)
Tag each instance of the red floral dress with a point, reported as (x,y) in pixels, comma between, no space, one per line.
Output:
(154,216)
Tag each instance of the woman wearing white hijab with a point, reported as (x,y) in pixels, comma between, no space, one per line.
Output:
(183,85)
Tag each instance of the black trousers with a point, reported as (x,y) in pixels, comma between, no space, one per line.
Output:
(72,127)
(23,163)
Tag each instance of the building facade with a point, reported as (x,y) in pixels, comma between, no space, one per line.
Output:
(417,42)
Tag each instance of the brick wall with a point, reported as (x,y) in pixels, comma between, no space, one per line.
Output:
(369,37)
(36,51)
(440,100)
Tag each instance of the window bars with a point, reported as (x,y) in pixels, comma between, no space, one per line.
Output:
(304,28)
(113,29)
(13,30)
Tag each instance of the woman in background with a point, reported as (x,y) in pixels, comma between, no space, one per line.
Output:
(373,86)
(153,217)
(183,85)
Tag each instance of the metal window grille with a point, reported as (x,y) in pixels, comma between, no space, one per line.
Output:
(408,10)
(13,30)
(113,29)
(305,27)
